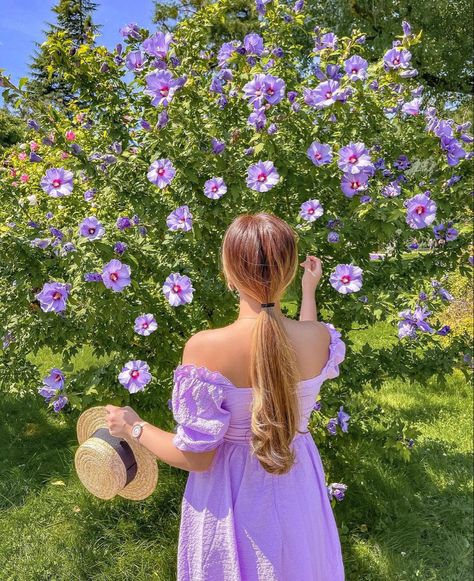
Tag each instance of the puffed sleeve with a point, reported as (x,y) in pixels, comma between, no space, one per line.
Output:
(337,353)
(196,403)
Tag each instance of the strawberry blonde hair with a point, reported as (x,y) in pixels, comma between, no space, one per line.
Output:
(259,255)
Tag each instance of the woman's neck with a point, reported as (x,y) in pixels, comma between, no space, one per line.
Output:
(249,307)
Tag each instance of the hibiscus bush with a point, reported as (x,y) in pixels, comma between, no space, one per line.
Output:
(113,210)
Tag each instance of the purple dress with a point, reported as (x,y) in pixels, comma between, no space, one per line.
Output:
(239,522)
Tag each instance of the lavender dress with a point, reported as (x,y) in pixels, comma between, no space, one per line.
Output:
(238,522)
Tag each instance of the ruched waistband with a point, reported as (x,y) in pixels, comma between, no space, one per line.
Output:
(245,441)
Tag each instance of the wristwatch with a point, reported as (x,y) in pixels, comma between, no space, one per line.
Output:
(137,430)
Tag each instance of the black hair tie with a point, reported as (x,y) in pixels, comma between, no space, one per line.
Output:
(267,305)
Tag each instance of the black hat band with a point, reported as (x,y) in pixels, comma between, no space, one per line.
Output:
(122,448)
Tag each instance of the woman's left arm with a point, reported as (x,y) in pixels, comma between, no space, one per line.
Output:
(157,441)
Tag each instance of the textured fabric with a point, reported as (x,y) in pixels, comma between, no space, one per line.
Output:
(238,522)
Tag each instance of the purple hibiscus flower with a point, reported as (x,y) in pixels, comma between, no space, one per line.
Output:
(40,243)
(319,153)
(396,58)
(453,149)
(135,60)
(89,194)
(158,44)
(262,176)
(52,386)
(311,210)
(57,182)
(343,419)
(412,321)
(253,44)
(215,188)
(328,40)
(254,90)
(443,294)
(273,89)
(355,158)
(120,248)
(392,190)
(59,403)
(356,68)
(123,222)
(445,232)
(135,375)
(53,296)
(161,172)
(226,52)
(402,163)
(323,95)
(336,490)
(180,219)
(145,324)
(412,107)
(93,277)
(115,275)
(353,183)
(333,237)
(257,118)
(217,146)
(178,289)
(131,30)
(161,86)
(421,211)
(331,427)
(91,228)
(317,406)
(346,278)
(444,330)
(55,379)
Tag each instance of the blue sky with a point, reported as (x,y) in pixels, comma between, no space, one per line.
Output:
(22,23)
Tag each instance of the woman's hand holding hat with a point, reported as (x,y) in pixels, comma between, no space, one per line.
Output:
(121,419)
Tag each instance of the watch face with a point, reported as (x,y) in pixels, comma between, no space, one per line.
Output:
(136,431)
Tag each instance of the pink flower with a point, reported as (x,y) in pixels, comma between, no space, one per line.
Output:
(70,135)
(24,177)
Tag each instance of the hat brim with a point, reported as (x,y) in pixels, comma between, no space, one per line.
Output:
(146,477)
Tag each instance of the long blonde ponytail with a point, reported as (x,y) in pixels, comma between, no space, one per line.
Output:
(259,253)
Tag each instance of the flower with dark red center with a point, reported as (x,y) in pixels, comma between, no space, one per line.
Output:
(57,182)
(262,176)
(91,228)
(178,289)
(115,275)
(346,278)
(161,172)
(135,375)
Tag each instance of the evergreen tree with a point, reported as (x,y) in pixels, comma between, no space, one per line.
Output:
(74,18)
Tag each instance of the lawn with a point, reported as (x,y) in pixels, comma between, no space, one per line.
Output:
(399,521)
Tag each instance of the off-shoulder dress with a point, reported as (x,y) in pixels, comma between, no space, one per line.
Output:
(239,522)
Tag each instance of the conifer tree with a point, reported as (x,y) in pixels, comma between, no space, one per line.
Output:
(74,18)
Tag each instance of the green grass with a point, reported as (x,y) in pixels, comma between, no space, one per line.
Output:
(399,521)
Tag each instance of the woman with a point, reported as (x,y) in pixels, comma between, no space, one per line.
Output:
(255,505)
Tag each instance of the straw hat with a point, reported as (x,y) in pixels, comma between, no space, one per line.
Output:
(108,465)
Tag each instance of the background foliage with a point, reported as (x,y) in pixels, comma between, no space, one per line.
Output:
(118,133)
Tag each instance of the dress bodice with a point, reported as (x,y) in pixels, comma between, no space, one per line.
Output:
(209,407)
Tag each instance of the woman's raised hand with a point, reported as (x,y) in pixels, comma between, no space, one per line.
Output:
(312,273)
